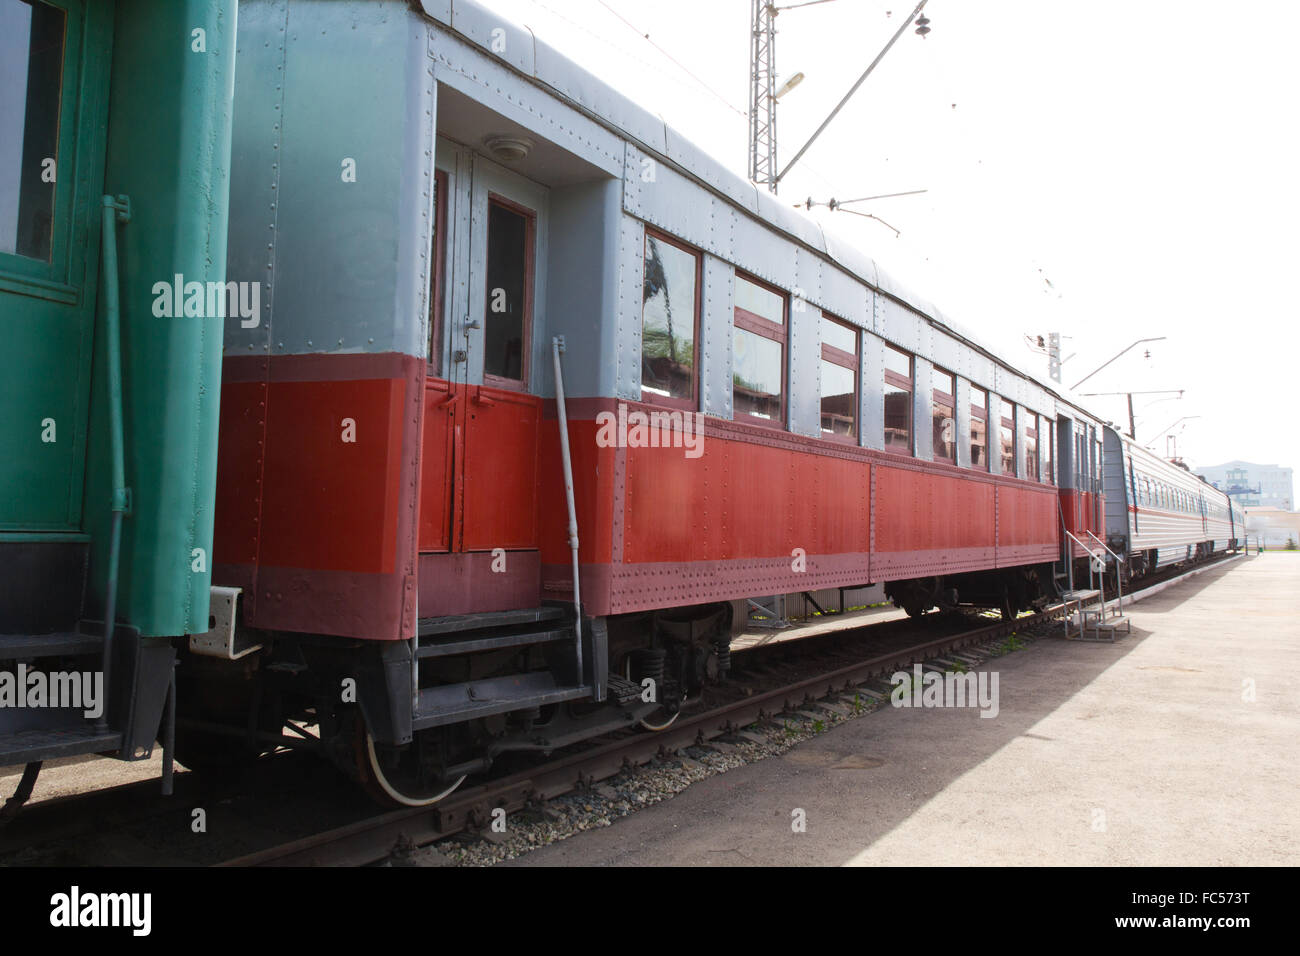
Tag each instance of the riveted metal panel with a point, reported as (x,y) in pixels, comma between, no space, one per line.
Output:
(922,391)
(661,196)
(722,227)
(808,277)
(781,214)
(898,324)
(689,156)
(977,367)
(758,251)
(715,336)
(590,93)
(493,83)
(255,177)
(1004,383)
(944,350)
(631,264)
(854,261)
(415,219)
(439,10)
(343,273)
(805,369)
(845,297)
(583,287)
(495,34)
(963,422)
(873,392)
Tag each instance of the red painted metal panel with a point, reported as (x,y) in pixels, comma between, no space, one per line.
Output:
(441,407)
(239,472)
(1027,523)
(920,511)
(331,503)
(502,431)
(467,583)
(327,490)
(593,489)
(741,500)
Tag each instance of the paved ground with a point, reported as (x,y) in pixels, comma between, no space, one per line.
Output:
(1153,750)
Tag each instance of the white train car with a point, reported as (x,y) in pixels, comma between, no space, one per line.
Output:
(1159,512)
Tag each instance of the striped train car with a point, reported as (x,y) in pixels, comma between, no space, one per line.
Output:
(1159,514)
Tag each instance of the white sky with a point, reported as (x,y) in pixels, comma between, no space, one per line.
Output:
(1142,155)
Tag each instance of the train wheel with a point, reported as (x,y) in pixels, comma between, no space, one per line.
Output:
(660,719)
(401,784)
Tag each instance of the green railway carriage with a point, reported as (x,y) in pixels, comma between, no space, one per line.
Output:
(115,119)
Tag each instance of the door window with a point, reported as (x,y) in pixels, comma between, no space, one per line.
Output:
(31,88)
(509,293)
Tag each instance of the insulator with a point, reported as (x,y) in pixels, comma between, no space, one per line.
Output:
(922,25)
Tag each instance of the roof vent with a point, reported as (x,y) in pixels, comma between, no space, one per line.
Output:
(508,149)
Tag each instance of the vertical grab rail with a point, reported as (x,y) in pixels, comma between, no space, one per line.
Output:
(557,346)
(113,210)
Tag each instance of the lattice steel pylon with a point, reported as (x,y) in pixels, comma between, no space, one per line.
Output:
(762,95)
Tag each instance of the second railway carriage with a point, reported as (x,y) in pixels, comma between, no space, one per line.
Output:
(442,214)
(1160,514)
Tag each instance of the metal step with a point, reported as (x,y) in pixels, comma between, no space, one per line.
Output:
(452,703)
(430,626)
(1114,624)
(1080,596)
(496,642)
(29,745)
(66,644)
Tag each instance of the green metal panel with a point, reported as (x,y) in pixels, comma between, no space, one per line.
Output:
(169,151)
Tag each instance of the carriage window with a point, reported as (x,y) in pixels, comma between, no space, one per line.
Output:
(898,400)
(1031,445)
(839,379)
(1049,456)
(758,353)
(979,428)
(1008,436)
(943,402)
(31,68)
(509,293)
(669,306)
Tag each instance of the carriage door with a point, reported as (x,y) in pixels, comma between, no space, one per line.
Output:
(51,165)
(503,367)
(483,411)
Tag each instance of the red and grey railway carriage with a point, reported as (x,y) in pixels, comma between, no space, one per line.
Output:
(442,214)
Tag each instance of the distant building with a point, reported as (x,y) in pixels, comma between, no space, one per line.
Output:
(1278,528)
(1251,485)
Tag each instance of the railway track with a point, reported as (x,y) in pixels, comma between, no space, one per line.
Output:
(372,840)
(780,677)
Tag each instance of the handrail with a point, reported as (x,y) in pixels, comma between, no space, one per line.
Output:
(113,210)
(1103,544)
(557,346)
(1119,578)
(1080,543)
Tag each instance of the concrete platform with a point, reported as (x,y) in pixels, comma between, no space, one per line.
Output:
(1149,751)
